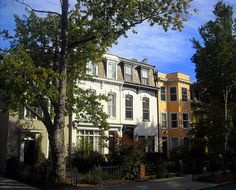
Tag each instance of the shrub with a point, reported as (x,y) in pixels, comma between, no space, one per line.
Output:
(132,165)
(84,158)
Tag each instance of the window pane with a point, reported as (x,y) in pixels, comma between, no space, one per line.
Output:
(174,142)
(128,106)
(111,70)
(173,95)
(163,93)
(184,94)
(91,68)
(145,109)
(185,120)
(174,120)
(128,70)
(164,120)
(144,77)
(112,105)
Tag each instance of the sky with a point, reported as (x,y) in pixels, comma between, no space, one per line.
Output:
(169,51)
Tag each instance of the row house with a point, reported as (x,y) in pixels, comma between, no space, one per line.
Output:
(132,109)
(174,108)
(143,105)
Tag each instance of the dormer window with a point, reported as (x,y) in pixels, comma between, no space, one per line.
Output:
(111,69)
(128,73)
(144,75)
(91,69)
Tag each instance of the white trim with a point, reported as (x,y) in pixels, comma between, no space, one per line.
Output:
(182,95)
(185,120)
(166,120)
(165,94)
(177,120)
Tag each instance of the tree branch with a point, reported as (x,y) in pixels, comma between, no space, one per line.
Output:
(34,112)
(35,10)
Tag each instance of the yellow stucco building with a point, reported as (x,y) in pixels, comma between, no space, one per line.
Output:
(174,110)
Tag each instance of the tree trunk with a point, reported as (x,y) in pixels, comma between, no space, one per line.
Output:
(56,134)
(56,138)
(226,96)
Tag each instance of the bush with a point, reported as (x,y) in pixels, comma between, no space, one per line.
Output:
(84,159)
(132,165)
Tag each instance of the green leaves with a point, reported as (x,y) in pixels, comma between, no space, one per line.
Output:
(22,81)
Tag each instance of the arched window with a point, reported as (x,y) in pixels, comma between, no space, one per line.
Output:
(129,107)
(146,109)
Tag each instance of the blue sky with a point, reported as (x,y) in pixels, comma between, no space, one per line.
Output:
(169,51)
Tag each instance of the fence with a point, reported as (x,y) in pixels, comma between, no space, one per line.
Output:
(97,174)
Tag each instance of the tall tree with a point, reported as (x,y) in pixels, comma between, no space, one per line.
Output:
(49,51)
(215,61)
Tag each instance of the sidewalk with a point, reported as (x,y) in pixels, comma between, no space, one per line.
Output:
(9,184)
(177,183)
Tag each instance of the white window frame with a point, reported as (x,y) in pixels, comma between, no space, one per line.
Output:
(163,93)
(111,107)
(146,109)
(176,93)
(176,120)
(165,121)
(142,76)
(185,120)
(184,94)
(97,135)
(130,75)
(89,69)
(132,108)
(109,75)
(31,115)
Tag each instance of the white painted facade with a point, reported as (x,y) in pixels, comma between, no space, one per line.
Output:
(105,85)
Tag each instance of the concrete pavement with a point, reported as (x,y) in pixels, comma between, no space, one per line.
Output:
(178,183)
(9,184)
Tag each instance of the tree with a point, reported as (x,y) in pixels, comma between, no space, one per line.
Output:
(215,62)
(48,55)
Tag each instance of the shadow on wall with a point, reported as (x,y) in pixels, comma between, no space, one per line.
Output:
(146,129)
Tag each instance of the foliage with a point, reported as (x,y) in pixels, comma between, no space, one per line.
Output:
(215,61)
(84,158)
(95,175)
(48,55)
(179,153)
(132,165)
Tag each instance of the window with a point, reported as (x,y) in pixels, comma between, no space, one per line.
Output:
(173,95)
(174,142)
(111,69)
(91,69)
(144,77)
(145,109)
(185,120)
(186,141)
(30,115)
(128,73)
(112,105)
(174,120)
(89,138)
(184,94)
(129,107)
(164,120)
(163,93)
(91,92)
